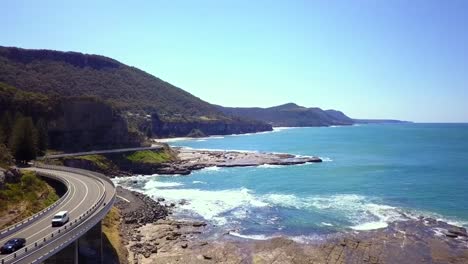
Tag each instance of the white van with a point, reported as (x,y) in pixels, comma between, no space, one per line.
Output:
(60,218)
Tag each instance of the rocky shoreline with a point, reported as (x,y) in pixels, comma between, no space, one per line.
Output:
(153,235)
(183,161)
(189,160)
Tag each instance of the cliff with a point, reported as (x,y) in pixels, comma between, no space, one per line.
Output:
(87,124)
(73,124)
(200,128)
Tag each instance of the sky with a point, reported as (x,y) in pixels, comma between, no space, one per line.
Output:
(368,58)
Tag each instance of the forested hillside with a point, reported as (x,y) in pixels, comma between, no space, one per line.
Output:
(75,74)
(291,115)
(135,93)
(31,123)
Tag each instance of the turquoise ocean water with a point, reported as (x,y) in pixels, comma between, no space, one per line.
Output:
(372,175)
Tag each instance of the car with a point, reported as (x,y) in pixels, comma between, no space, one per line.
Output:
(12,245)
(60,218)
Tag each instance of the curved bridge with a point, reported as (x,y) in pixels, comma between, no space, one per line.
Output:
(88,199)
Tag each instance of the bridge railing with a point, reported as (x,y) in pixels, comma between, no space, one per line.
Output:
(74,229)
(10,229)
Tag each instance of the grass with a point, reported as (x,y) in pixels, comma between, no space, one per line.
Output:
(111,228)
(100,161)
(149,156)
(25,198)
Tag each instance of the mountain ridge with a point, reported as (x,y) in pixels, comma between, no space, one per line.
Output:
(290,115)
(133,92)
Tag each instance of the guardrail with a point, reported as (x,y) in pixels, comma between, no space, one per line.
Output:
(72,228)
(99,216)
(76,170)
(10,229)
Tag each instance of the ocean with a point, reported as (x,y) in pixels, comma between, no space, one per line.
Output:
(371,175)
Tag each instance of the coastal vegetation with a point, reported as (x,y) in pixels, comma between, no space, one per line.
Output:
(23,198)
(111,225)
(99,161)
(75,74)
(148,156)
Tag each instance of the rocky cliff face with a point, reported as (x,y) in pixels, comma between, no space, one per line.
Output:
(85,124)
(163,128)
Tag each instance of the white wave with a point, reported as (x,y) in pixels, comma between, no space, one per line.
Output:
(299,239)
(226,206)
(252,134)
(199,182)
(169,140)
(212,168)
(253,237)
(270,166)
(221,150)
(121,180)
(211,205)
(326,159)
(358,210)
(284,200)
(370,225)
(278,129)
(158,184)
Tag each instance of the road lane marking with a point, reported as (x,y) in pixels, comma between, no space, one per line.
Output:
(123,198)
(45,217)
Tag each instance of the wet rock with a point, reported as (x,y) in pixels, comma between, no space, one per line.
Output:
(458,231)
(448,234)
(199,224)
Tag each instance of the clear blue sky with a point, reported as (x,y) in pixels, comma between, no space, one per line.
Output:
(369,58)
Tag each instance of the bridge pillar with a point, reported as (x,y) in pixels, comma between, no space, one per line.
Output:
(68,255)
(87,249)
(90,246)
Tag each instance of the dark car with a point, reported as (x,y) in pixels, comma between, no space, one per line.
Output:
(12,245)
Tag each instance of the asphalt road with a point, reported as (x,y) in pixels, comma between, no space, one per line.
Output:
(84,193)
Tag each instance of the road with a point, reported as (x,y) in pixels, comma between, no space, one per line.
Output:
(88,200)
(96,152)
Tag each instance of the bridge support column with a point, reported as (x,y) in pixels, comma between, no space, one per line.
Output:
(90,246)
(68,255)
(87,249)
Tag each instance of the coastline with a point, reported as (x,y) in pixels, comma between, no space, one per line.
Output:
(153,235)
(175,139)
(168,238)
(183,161)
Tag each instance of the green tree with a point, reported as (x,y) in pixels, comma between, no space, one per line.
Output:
(149,131)
(42,136)
(6,125)
(23,141)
